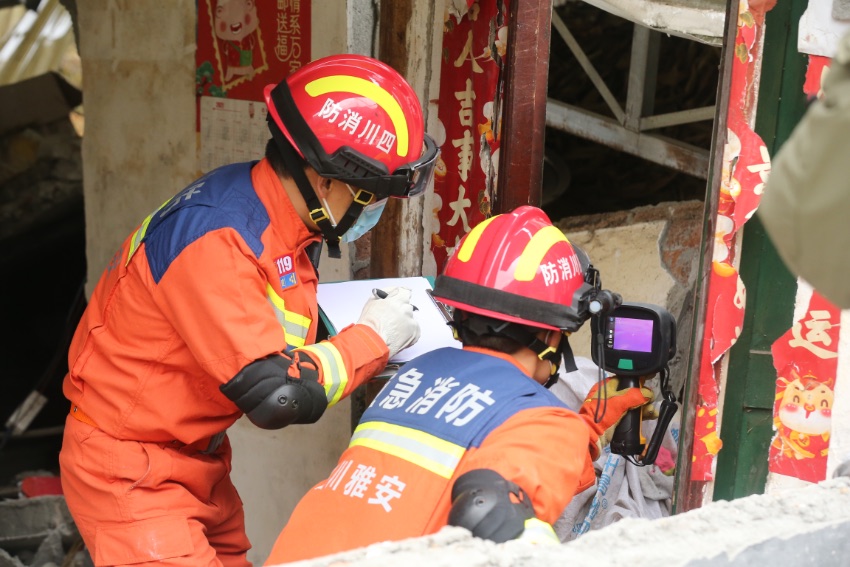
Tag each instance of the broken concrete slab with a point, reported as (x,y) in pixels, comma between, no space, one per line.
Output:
(26,522)
(803,526)
(7,560)
(39,100)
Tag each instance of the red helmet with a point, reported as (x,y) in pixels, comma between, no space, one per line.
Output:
(355,119)
(517,267)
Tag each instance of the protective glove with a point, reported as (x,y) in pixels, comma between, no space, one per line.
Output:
(392,318)
(619,402)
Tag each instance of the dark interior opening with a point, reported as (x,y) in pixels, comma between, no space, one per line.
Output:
(583,177)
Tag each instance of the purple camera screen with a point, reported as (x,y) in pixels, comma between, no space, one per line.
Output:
(633,334)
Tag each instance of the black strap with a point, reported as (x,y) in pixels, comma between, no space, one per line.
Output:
(481,325)
(567,355)
(314,253)
(330,233)
(290,158)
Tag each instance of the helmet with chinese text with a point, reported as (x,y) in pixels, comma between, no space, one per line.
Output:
(355,119)
(519,268)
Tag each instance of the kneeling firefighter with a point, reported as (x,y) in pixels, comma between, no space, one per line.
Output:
(208,312)
(471,437)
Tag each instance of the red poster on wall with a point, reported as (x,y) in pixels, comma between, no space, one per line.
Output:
(806,361)
(243,45)
(474,44)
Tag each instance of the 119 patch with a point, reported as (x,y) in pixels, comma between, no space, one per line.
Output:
(286,271)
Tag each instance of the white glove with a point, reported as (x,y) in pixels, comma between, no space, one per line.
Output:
(392,318)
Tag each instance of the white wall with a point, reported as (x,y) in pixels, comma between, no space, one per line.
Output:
(139,84)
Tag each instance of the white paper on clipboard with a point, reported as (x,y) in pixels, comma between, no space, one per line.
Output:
(342,302)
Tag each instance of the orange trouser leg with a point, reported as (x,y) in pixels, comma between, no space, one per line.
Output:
(146,503)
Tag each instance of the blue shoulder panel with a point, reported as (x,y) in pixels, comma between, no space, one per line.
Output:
(459,396)
(223,198)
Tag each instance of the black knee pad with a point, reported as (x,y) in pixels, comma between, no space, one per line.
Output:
(489,506)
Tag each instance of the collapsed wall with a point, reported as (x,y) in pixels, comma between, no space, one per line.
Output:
(795,527)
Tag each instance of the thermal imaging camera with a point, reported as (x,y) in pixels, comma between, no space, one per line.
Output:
(634,341)
(637,339)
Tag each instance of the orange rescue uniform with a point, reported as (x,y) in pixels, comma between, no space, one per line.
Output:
(216,278)
(445,413)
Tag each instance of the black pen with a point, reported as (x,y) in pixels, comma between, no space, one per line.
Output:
(383,295)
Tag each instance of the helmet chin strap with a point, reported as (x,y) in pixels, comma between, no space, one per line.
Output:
(563,352)
(318,214)
(520,333)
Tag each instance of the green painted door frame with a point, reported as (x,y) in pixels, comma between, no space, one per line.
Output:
(747,426)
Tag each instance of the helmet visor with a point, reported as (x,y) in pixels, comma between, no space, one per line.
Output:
(349,165)
(420,172)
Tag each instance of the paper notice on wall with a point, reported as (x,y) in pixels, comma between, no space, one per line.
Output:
(241,48)
(819,31)
(231,131)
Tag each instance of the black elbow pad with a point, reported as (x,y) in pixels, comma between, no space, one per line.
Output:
(489,506)
(271,398)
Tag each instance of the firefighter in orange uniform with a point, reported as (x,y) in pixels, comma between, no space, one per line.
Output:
(208,312)
(472,437)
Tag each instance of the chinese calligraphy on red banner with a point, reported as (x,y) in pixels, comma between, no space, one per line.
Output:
(473,46)
(746,165)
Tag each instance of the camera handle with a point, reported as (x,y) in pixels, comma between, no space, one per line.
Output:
(628,438)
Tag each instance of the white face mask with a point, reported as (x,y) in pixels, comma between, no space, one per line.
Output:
(330,212)
(369,217)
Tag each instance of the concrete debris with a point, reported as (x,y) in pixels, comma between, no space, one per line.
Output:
(796,527)
(39,532)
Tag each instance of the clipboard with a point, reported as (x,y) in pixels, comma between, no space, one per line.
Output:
(340,304)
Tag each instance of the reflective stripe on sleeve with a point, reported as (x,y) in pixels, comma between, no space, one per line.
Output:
(422,449)
(295,326)
(539,532)
(138,236)
(334,374)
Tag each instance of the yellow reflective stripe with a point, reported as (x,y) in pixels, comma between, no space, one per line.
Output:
(294,319)
(368,89)
(295,326)
(293,341)
(422,449)
(465,252)
(138,236)
(334,374)
(535,250)
(538,531)
(294,332)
